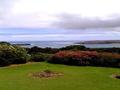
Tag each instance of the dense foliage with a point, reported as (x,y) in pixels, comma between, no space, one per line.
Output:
(73,57)
(91,58)
(36,49)
(74,47)
(4,43)
(70,55)
(111,50)
(108,59)
(12,55)
(38,57)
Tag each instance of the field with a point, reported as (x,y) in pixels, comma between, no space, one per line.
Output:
(74,78)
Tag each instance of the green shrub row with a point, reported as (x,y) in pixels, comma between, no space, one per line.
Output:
(10,54)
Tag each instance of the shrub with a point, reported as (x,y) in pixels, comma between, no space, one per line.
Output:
(12,55)
(20,55)
(36,49)
(74,47)
(38,57)
(4,43)
(110,50)
(109,59)
(91,58)
(73,57)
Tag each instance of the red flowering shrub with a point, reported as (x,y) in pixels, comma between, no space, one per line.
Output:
(92,58)
(74,57)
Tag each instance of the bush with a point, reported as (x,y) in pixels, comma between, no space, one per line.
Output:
(74,47)
(12,55)
(110,50)
(38,57)
(36,49)
(73,57)
(91,58)
(109,59)
(20,55)
(4,43)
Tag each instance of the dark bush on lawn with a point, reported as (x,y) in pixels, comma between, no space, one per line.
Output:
(73,57)
(39,57)
(108,59)
(12,55)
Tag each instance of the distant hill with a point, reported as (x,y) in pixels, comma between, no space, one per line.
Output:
(99,42)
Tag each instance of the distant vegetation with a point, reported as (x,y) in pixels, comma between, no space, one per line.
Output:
(4,43)
(70,55)
(99,42)
(36,49)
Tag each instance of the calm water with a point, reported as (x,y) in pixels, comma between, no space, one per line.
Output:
(59,44)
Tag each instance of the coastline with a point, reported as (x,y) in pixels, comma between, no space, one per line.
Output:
(99,42)
(60,44)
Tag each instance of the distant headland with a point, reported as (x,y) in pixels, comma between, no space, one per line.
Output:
(99,42)
(22,44)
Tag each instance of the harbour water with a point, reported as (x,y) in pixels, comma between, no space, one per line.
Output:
(59,44)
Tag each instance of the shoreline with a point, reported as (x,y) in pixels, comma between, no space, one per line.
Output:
(99,42)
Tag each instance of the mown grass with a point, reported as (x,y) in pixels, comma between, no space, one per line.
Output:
(74,78)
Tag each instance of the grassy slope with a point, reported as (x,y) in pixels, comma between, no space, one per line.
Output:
(75,78)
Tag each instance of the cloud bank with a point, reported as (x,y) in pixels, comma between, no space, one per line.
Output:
(71,21)
(42,13)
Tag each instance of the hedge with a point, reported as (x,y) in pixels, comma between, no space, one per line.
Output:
(91,58)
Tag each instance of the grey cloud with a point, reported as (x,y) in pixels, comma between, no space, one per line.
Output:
(69,21)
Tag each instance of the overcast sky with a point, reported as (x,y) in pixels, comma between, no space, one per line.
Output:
(67,15)
(42,13)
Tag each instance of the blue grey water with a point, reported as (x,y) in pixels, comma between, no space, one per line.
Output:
(59,44)
(57,38)
(27,34)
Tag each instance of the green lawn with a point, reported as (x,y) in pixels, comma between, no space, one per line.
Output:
(74,78)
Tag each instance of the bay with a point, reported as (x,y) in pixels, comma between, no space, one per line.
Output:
(59,44)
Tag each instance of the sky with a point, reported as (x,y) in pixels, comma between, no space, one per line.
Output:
(59,20)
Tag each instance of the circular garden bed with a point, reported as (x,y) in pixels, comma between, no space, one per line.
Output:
(117,76)
(46,74)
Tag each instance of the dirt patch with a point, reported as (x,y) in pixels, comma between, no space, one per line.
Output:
(46,74)
(117,76)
